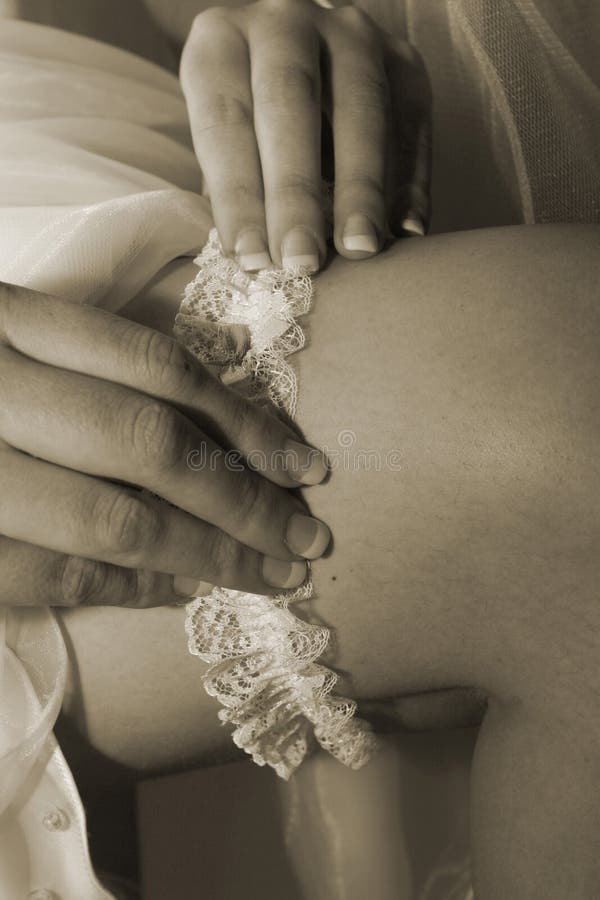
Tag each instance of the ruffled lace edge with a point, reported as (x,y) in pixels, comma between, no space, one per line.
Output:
(262,658)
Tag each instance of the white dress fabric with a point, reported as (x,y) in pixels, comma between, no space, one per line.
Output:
(99,189)
(43,842)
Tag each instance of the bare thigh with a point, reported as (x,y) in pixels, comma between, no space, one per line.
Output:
(468,365)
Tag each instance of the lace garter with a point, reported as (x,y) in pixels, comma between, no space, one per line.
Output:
(262,658)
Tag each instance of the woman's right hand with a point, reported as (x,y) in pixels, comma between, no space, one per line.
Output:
(260,81)
(95,408)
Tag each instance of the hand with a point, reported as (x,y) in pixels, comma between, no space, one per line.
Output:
(95,407)
(258,81)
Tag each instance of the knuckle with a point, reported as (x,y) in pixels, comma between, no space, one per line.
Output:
(357,20)
(221,110)
(80,582)
(224,558)
(248,500)
(146,590)
(205,49)
(288,87)
(235,196)
(370,92)
(360,184)
(126,525)
(157,437)
(246,421)
(163,362)
(293,185)
(208,19)
(294,12)
(243,415)
(204,31)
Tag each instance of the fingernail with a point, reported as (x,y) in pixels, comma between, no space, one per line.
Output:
(281,574)
(251,251)
(299,248)
(306,464)
(413,224)
(360,234)
(190,587)
(306,536)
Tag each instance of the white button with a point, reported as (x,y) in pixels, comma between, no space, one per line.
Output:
(56,820)
(43,894)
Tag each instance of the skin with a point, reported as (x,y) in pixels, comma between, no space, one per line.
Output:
(491,614)
(65,559)
(242,71)
(475,565)
(113,406)
(258,80)
(261,81)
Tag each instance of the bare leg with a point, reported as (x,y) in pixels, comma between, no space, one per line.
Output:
(475,563)
(344,830)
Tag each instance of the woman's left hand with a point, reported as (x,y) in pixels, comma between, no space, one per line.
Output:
(259,81)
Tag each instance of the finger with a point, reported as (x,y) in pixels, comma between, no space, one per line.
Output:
(110,431)
(215,76)
(359,105)
(409,154)
(73,514)
(35,576)
(93,342)
(286,92)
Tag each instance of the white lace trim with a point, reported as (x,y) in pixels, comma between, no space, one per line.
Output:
(246,323)
(262,658)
